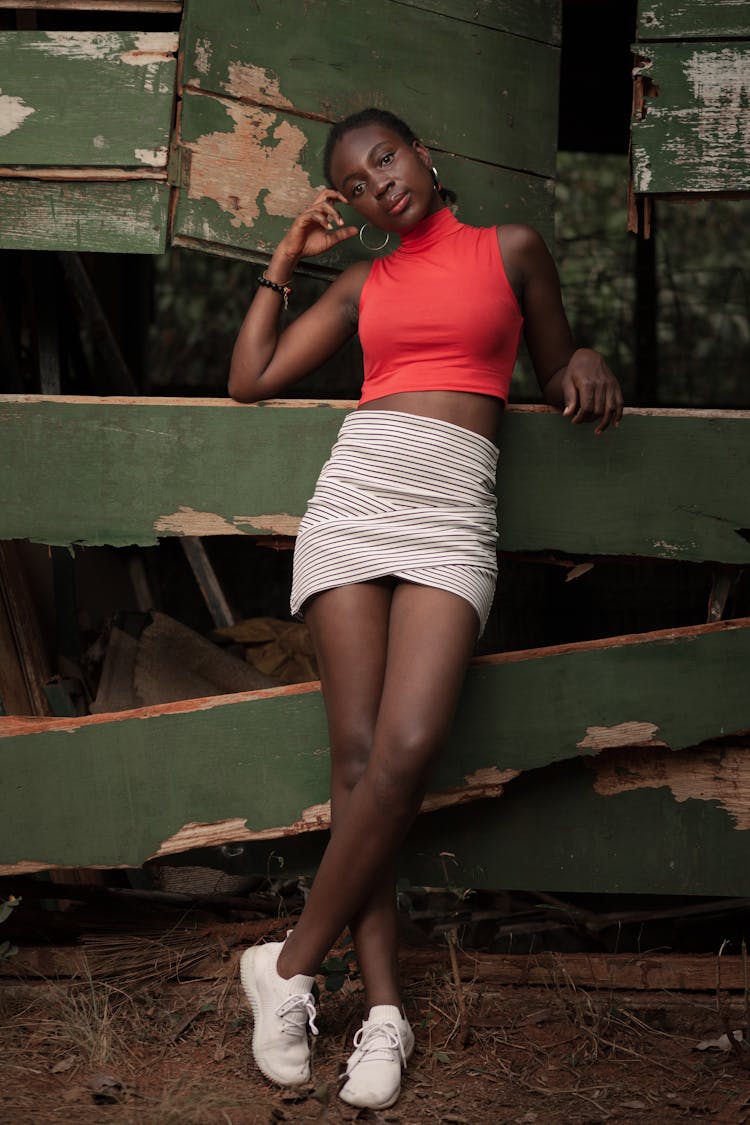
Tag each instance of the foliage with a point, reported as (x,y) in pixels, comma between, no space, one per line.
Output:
(339,969)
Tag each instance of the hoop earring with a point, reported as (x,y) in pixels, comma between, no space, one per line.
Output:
(366,245)
(436,179)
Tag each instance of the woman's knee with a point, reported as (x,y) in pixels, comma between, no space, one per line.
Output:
(400,772)
(350,754)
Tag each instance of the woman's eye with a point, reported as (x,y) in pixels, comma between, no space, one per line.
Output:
(357,189)
(387,158)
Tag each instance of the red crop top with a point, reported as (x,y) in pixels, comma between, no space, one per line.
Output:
(439,314)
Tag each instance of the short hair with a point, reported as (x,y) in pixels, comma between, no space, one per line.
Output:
(372,116)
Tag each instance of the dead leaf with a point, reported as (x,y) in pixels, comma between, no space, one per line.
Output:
(634,1104)
(720,1044)
(63,1065)
(577,571)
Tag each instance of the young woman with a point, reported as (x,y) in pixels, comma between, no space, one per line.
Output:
(395,563)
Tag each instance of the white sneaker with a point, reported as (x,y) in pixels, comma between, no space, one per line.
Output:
(383,1045)
(282,1010)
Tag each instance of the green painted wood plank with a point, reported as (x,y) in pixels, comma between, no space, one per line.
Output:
(551,831)
(695,133)
(666,484)
(122,218)
(250,171)
(693,19)
(86,98)
(499,103)
(535,19)
(89,791)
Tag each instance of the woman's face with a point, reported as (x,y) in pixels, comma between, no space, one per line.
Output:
(386,179)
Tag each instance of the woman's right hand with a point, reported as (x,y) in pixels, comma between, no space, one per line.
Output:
(316,229)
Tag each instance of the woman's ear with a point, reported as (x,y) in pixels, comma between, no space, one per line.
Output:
(423,153)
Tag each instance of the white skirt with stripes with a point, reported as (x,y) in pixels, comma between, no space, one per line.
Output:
(405,496)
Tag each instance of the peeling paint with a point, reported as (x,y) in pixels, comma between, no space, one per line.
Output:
(720,81)
(202,55)
(717,774)
(13,113)
(188,521)
(255,84)
(152,47)
(106,46)
(154,157)
(238,168)
(632,733)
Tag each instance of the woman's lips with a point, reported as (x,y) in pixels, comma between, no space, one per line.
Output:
(402,202)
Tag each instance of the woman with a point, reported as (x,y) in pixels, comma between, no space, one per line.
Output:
(395,563)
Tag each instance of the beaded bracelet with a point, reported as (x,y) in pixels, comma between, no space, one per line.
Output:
(284,291)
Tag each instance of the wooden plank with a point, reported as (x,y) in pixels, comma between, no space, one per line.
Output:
(254,767)
(641,973)
(96,5)
(85,97)
(249,171)
(693,19)
(121,218)
(535,19)
(694,131)
(699,511)
(499,106)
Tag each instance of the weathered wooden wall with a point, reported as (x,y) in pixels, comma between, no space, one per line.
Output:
(246,121)
(640,710)
(691,114)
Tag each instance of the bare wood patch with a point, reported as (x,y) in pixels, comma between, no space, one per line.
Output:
(187,521)
(260,157)
(621,734)
(719,773)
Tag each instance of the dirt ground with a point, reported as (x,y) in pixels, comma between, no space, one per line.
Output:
(88,1051)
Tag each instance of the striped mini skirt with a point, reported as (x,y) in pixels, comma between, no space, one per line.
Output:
(405,496)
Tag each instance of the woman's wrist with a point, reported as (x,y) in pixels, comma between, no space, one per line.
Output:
(280,268)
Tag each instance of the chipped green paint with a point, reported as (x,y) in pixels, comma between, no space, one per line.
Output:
(666,485)
(123,218)
(251,170)
(86,98)
(131,784)
(693,19)
(471,90)
(694,135)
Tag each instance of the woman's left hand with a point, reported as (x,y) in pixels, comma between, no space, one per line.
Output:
(590,391)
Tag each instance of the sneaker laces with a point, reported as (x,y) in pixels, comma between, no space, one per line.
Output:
(300,1004)
(377,1041)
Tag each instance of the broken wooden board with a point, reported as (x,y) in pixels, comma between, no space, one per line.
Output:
(86,98)
(534,19)
(254,767)
(247,171)
(693,19)
(694,132)
(120,218)
(656,487)
(499,104)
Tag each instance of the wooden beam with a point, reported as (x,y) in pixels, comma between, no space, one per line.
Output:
(693,515)
(117,89)
(123,218)
(691,135)
(693,19)
(641,973)
(248,170)
(254,767)
(491,110)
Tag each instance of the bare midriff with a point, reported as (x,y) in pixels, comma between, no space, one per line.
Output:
(480,413)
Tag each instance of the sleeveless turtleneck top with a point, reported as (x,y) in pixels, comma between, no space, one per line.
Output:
(439,314)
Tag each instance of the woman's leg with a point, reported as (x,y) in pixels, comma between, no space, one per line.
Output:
(349,627)
(431,635)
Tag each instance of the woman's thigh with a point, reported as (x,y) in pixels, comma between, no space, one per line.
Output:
(349,628)
(431,638)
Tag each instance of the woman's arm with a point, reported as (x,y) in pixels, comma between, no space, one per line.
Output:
(575,380)
(266,361)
